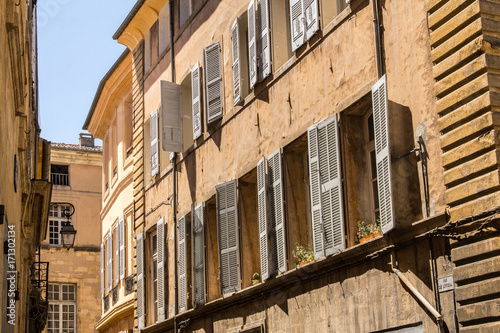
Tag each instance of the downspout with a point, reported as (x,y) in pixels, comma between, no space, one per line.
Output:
(378,39)
(34,46)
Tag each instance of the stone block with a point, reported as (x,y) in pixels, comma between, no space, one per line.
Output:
(476,206)
(469,129)
(476,269)
(483,328)
(461,153)
(469,169)
(478,289)
(475,249)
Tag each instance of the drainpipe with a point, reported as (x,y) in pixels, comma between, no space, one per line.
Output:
(378,38)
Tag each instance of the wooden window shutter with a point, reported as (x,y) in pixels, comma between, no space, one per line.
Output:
(181,238)
(213,82)
(311,17)
(297,26)
(121,227)
(277,212)
(199,256)
(332,209)
(235,43)
(227,225)
(154,151)
(103,261)
(117,255)
(264,39)
(160,267)
(171,116)
(141,307)
(196,100)
(383,157)
(110,262)
(315,189)
(265,270)
(252,45)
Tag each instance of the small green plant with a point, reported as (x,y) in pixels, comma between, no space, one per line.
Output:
(368,229)
(303,254)
(255,278)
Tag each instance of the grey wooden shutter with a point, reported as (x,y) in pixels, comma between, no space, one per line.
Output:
(154,151)
(199,256)
(383,157)
(103,261)
(121,227)
(264,39)
(276,210)
(235,43)
(160,267)
(110,262)
(196,100)
(332,210)
(262,210)
(317,221)
(227,225)
(311,17)
(117,255)
(297,25)
(252,45)
(171,116)
(213,82)
(141,307)
(182,264)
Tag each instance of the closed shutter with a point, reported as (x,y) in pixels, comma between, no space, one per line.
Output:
(262,208)
(160,246)
(199,256)
(297,26)
(154,152)
(117,255)
(182,264)
(122,247)
(141,310)
(276,210)
(264,39)
(171,116)
(252,45)
(196,100)
(332,209)
(235,43)
(103,261)
(311,17)
(213,82)
(381,124)
(317,222)
(227,223)
(110,262)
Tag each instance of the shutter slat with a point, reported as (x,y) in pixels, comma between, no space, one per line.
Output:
(297,26)
(265,270)
(182,264)
(235,41)
(196,100)
(171,116)
(264,39)
(199,256)
(213,82)
(383,157)
(160,246)
(276,209)
(117,254)
(141,310)
(154,151)
(103,261)
(311,17)
(122,247)
(315,189)
(252,45)
(110,262)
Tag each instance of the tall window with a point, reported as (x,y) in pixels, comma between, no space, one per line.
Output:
(62,308)
(185,10)
(154,274)
(370,149)
(56,218)
(59,174)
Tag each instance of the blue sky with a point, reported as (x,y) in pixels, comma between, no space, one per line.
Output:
(75,50)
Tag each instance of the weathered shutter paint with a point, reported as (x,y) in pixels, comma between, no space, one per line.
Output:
(154,151)
(171,116)
(311,17)
(141,306)
(252,45)
(264,39)
(383,157)
(110,262)
(182,263)
(227,225)
(235,43)
(297,25)
(117,254)
(160,267)
(213,82)
(265,270)
(315,190)
(199,256)
(121,227)
(103,261)
(196,100)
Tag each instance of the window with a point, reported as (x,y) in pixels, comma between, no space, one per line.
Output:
(160,271)
(56,219)
(184,253)
(62,308)
(213,82)
(281,34)
(151,46)
(59,174)
(141,304)
(185,10)
(239,42)
(187,112)
(164,28)
(128,127)
(109,261)
(331,9)
(153,271)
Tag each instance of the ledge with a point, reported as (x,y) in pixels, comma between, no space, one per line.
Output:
(114,315)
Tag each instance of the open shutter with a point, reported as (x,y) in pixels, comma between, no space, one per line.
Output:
(297,25)
(121,227)
(160,246)
(171,116)
(381,124)
(196,100)
(213,82)
(317,221)
(154,152)
(235,43)
(110,262)
(252,45)
(199,256)
(311,17)
(264,39)
(182,264)
(262,208)
(276,210)
(141,309)
(103,261)
(332,210)
(117,255)
(227,225)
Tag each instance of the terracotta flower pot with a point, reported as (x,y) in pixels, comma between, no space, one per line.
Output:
(371,236)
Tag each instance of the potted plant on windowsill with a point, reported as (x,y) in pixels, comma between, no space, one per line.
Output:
(255,279)
(302,254)
(368,231)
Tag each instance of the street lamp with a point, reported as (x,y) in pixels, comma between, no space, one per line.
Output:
(67,232)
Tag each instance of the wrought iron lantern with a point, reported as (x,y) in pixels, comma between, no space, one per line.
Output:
(68,232)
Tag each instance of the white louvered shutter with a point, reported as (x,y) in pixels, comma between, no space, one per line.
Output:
(103,261)
(332,209)
(297,24)
(154,151)
(117,255)
(160,267)
(110,262)
(252,44)
(227,225)
(316,219)
(171,116)
(141,306)
(265,270)
(277,212)
(264,39)
(213,82)
(196,100)
(235,43)
(199,256)
(383,157)
(182,264)
(311,17)
(121,227)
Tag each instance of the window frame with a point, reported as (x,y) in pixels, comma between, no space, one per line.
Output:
(60,303)
(59,219)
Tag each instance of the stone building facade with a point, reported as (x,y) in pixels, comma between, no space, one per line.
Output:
(265,129)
